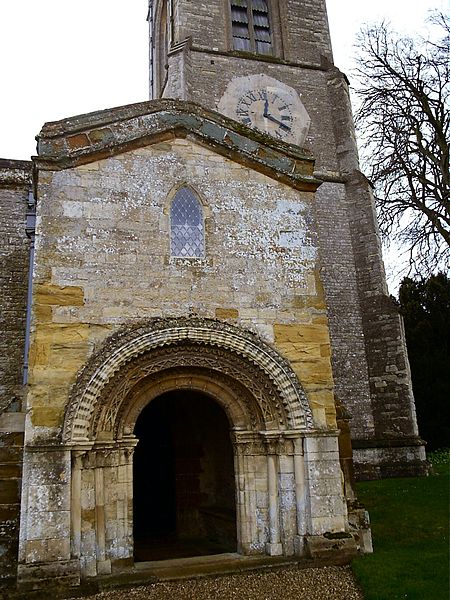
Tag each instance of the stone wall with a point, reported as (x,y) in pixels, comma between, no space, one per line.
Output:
(103,271)
(301,35)
(105,260)
(338,270)
(15,182)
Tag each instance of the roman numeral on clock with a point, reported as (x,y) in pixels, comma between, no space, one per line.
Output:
(252,96)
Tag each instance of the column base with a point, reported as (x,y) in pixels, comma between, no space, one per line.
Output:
(274,549)
(299,545)
(341,546)
(104,567)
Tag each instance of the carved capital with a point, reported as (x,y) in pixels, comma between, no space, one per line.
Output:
(273,443)
(248,443)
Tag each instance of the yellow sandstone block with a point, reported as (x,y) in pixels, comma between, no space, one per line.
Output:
(317,372)
(55,376)
(67,358)
(308,302)
(227,313)
(43,396)
(308,351)
(38,354)
(47,416)
(62,333)
(320,320)
(37,394)
(46,293)
(322,402)
(43,313)
(325,350)
(59,346)
(330,412)
(301,333)
(322,397)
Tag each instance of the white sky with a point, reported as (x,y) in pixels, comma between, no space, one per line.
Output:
(63,58)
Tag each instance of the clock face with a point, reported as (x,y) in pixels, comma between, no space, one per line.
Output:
(268,110)
(268,105)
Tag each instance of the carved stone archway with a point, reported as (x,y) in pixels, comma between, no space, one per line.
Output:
(270,421)
(213,343)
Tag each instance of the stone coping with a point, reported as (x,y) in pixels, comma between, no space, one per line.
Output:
(86,138)
(15,172)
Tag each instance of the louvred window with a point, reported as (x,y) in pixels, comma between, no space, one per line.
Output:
(251,26)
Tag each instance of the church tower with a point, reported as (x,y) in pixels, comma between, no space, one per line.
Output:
(268,64)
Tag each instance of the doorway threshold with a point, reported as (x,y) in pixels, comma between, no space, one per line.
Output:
(212,564)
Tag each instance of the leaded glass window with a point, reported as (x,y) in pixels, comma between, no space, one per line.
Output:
(251,26)
(186,225)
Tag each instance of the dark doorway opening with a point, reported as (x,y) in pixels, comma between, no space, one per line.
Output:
(183,474)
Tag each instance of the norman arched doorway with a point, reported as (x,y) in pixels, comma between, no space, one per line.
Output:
(283,469)
(183,478)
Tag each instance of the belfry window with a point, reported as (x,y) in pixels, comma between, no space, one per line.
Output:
(163,48)
(251,26)
(187,236)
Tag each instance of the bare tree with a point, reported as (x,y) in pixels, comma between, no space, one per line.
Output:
(403,87)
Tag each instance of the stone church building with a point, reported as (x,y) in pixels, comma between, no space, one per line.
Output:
(194,315)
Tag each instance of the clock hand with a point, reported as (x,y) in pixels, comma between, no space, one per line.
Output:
(280,123)
(266,108)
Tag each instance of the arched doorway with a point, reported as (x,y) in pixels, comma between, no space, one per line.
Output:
(214,369)
(183,474)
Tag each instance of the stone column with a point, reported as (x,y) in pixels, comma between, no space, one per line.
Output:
(75,502)
(88,557)
(102,568)
(129,498)
(301,493)
(287,495)
(103,562)
(273,546)
(242,533)
(248,451)
(243,511)
(122,549)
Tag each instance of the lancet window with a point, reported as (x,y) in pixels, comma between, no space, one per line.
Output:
(187,235)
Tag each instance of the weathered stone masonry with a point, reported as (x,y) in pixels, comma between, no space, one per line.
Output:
(15,185)
(103,185)
(375,388)
(283,323)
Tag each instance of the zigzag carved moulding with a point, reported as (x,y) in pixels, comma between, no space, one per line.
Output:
(131,342)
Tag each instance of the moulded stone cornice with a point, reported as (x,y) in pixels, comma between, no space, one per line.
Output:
(86,138)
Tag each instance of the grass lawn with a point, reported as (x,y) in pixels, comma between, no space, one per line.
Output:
(410,529)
